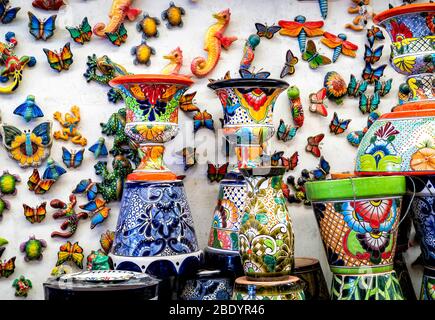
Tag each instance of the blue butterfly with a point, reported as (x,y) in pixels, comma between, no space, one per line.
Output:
(356,88)
(337,125)
(72,159)
(374,33)
(371,75)
(41,29)
(368,104)
(383,87)
(246,74)
(29,110)
(53,170)
(7,14)
(88,187)
(286,132)
(355,137)
(99,148)
(98,210)
(322,170)
(203,120)
(372,56)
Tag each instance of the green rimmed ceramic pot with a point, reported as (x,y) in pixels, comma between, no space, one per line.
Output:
(358,220)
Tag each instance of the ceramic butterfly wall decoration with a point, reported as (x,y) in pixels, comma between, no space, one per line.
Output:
(371,75)
(374,34)
(189,157)
(29,110)
(106,240)
(70,252)
(246,74)
(368,104)
(28,148)
(286,132)
(118,37)
(313,58)
(98,211)
(73,158)
(338,126)
(356,88)
(355,137)
(340,45)
(82,33)
(372,55)
(317,102)
(290,163)
(99,148)
(7,267)
(203,120)
(275,158)
(60,61)
(7,13)
(289,65)
(383,87)
(216,173)
(263,30)
(35,215)
(38,185)
(313,144)
(53,170)
(187,104)
(88,187)
(322,171)
(41,30)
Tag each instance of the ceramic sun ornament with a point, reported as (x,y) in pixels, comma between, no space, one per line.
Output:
(11,67)
(69,123)
(213,44)
(301,28)
(173,16)
(340,45)
(28,148)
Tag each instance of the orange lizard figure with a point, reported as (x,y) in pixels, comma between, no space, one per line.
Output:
(213,44)
(69,125)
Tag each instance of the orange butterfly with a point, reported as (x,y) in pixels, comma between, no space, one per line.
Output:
(60,61)
(106,240)
(35,214)
(98,210)
(71,252)
(37,185)
(186,102)
(313,144)
(7,267)
(202,119)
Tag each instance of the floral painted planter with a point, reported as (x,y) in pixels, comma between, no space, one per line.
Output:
(400,142)
(290,288)
(358,220)
(208,285)
(310,272)
(266,236)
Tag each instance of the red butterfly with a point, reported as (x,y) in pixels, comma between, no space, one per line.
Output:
(317,104)
(313,144)
(216,173)
(290,163)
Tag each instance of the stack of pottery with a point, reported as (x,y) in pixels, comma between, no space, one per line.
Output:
(403,142)
(155,232)
(261,220)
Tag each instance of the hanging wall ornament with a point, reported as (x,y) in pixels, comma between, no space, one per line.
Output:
(48,4)
(317,102)
(67,211)
(41,29)
(29,110)
(173,16)
(148,26)
(8,183)
(340,45)
(364,13)
(301,28)
(313,58)
(336,88)
(61,60)
(82,33)
(33,248)
(142,53)
(7,13)
(175,58)
(69,122)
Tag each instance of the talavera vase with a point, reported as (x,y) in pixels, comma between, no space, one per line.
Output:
(266,236)
(155,231)
(358,220)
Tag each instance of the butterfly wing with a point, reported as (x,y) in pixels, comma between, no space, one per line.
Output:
(186,102)
(119,37)
(281,133)
(319,61)
(48,27)
(261,29)
(76,35)
(43,186)
(78,158)
(86,30)
(7,14)
(374,102)
(270,32)
(67,157)
(34,26)
(9,134)
(64,253)
(106,240)
(211,172)
(310,51)
(41,212)
(53,60)
(331,40)
(29,213)
(246,74)
(77,255)
(66,56)
(363,103)
(43,131)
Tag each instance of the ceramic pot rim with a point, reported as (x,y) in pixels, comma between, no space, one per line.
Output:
(414,106)
(246,83)
(305,264)
(151,78)
(408,9)
(270,283)
(420,111)
(365,188)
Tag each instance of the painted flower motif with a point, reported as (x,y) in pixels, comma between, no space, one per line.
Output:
(423,159)
(149,132)
(386,131)
(430,22)
(152,111)
(228,212)
(225,240)
(400,31)
(374,212)
(375,243)
(405,64)
(20,152)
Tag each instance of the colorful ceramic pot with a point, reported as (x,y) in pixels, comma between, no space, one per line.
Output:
(310,272)
(400,142)
(289,288)
(358,220)
(412,32)
(152,103)
(266,236)
(248,109)
(208,285)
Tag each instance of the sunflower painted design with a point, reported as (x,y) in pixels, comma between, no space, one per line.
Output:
(405,64)
(399,31)
(228,213)
(150,132)
(28,148)
(423,159)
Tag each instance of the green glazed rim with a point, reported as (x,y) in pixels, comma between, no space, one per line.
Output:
(359,188)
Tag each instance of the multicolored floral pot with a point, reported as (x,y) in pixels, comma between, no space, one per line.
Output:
(412,31)
(248,111)
(423,213)
(400,142)
(310,272)
(289,288)
(358,220)
(266,237)
(208,285)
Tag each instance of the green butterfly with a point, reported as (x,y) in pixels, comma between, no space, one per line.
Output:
(82,33)
(119,37)
(314,59)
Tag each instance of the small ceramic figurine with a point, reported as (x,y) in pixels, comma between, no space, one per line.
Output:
(189,157)
(368,104)
(98,260)
(313,58)
(301,28)
(38,185)
(263,30)
(289,65)
(356,88)
(112,185)
(355,137)
(322,170)
(4,205)
(70,252)
(286,132)
(11,67)
(61,60)
(372,55)
(119,36)
(7,267)
(298,185)
(383,87)
(33,248)
(28,148)
(48,4)
(317,102)
(142,53)
(98,210)
(202,119)
(88,187)
(7,13)
(313,144)
(338,126)
(364,12)
(35,214)
(296,107)
(99,148)
(22,286)
(175,58)
(340,45)
(371,74)
(216,173)
(69,123)
(119,11)
(81,33)
(66,210)
(8,183)
(102,70)
(106,240)
(248,51)
(173,16)
(53,170)
(29,110)
(73,158)
(213,44)
(374,34)
(336,88)
(42,29)
(148,26)
(60,270)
